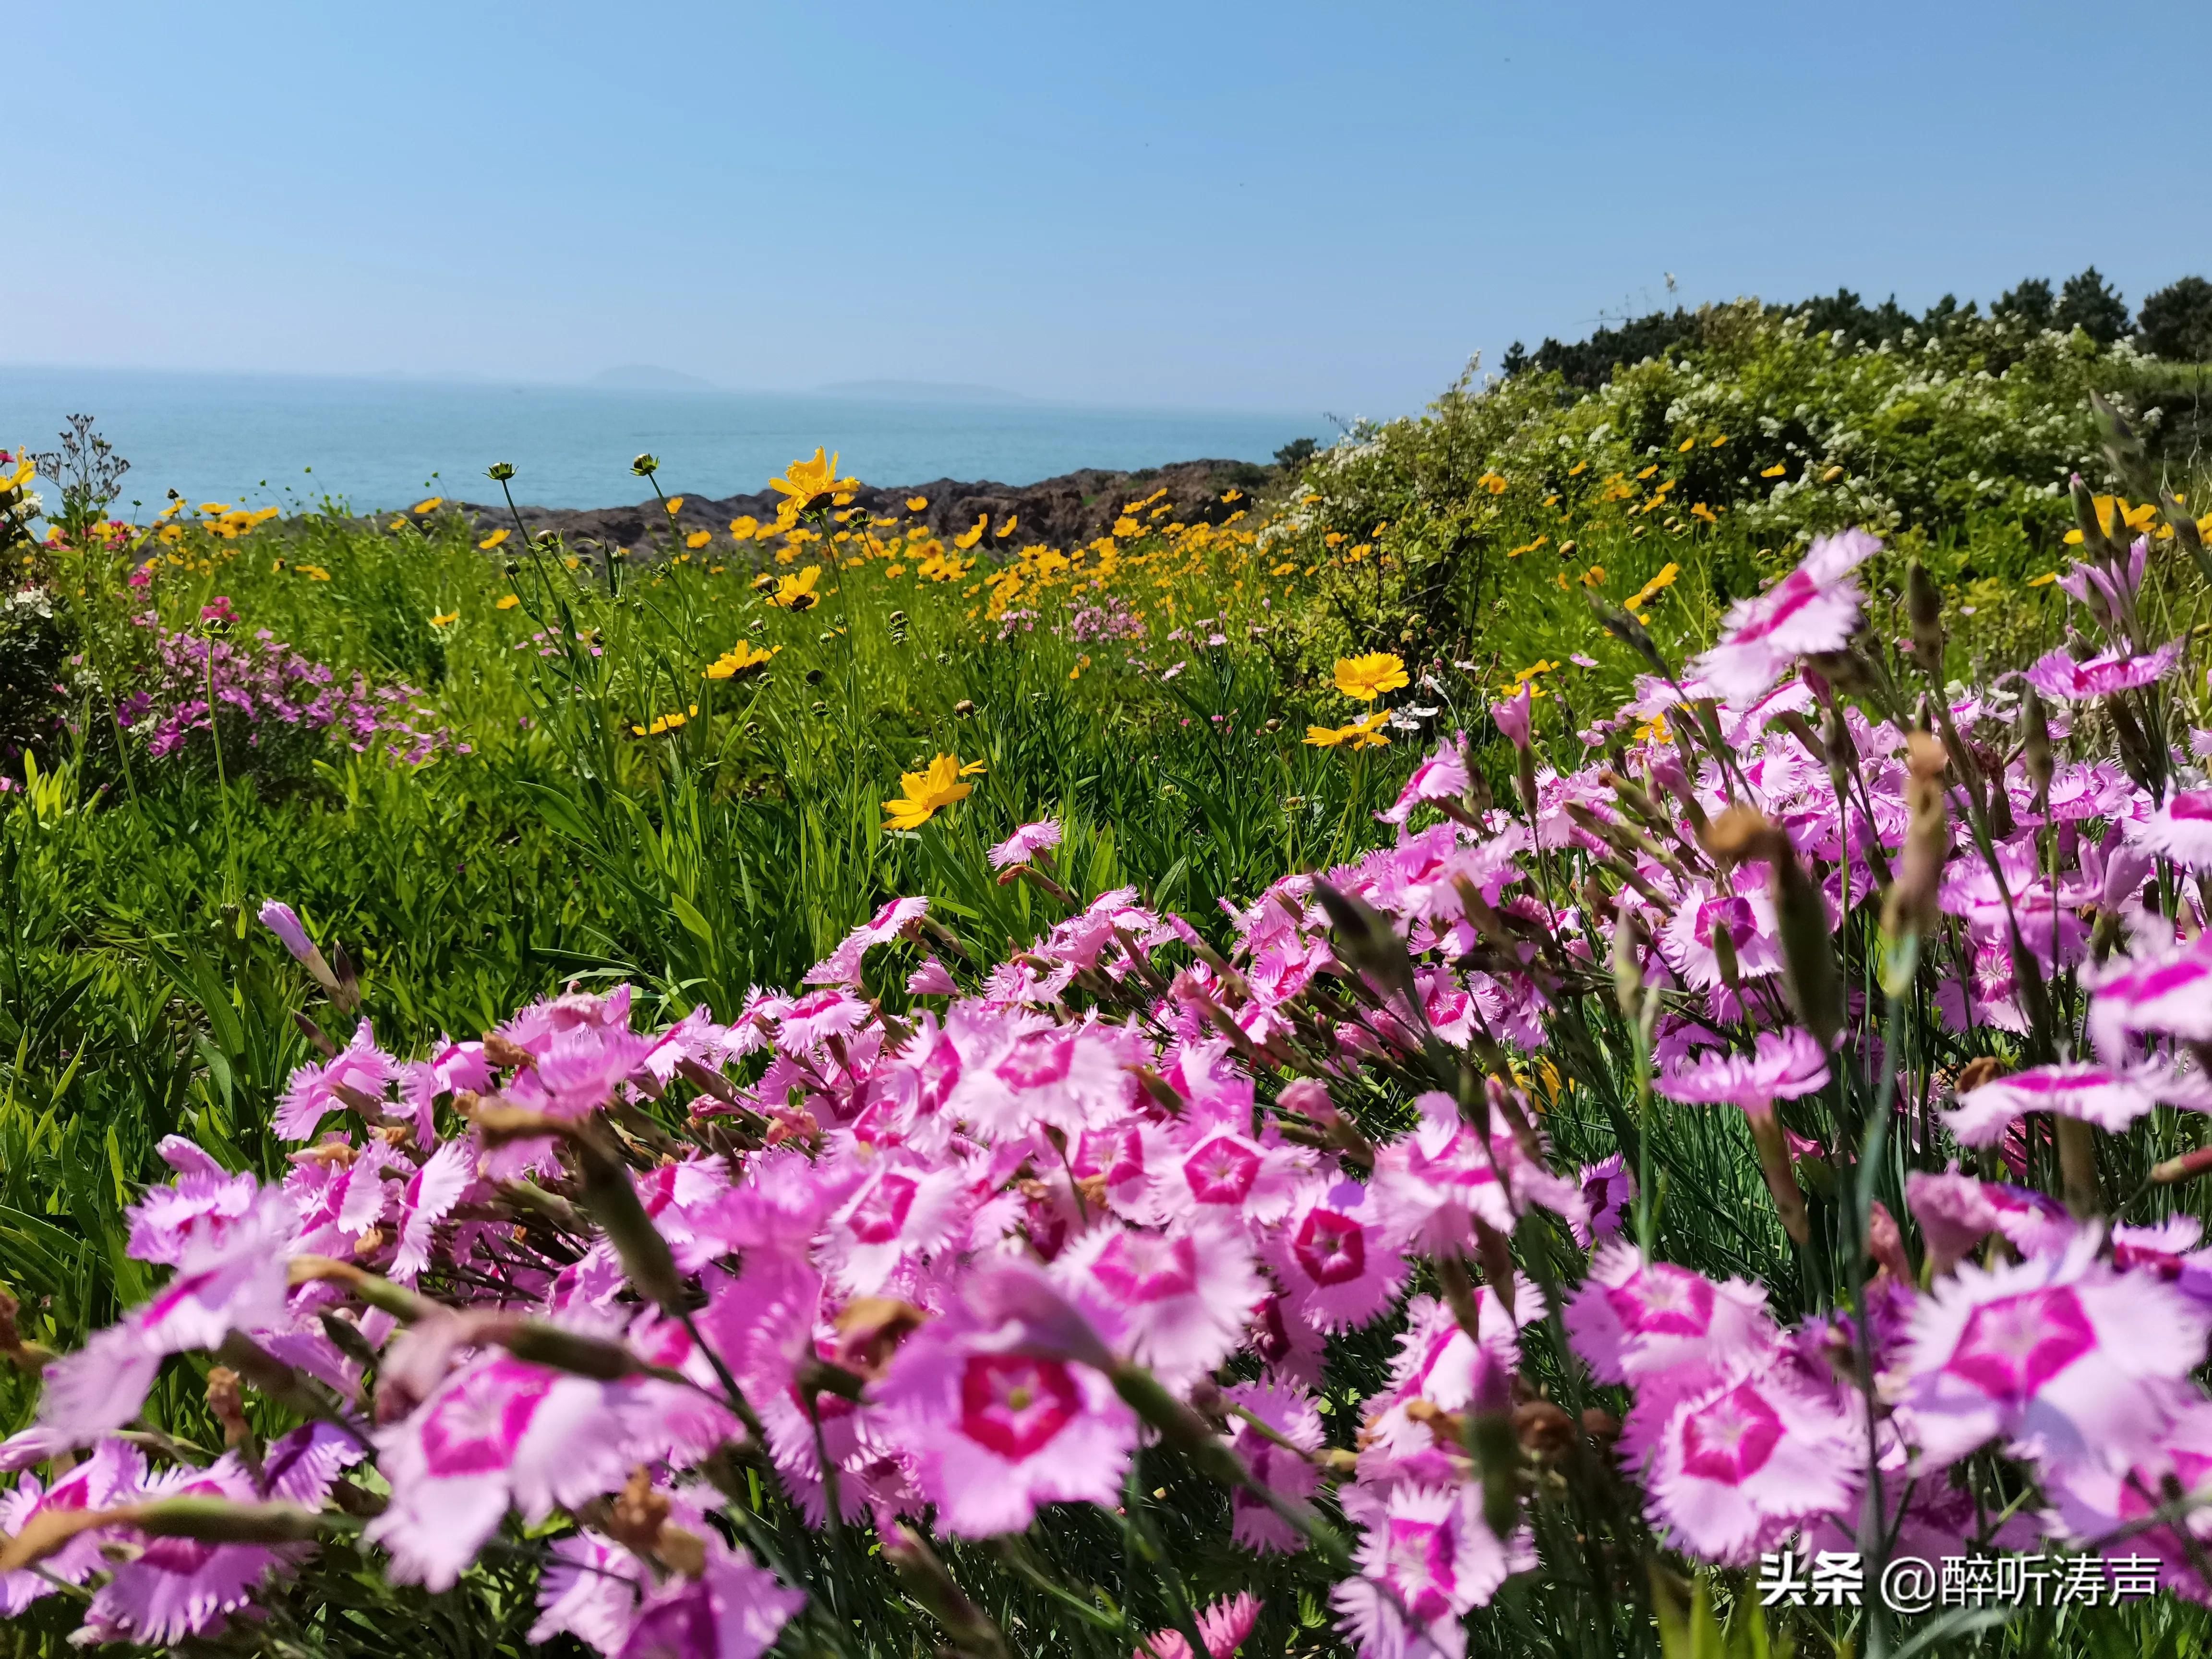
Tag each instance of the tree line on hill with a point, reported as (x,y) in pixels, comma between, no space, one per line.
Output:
(2174,323)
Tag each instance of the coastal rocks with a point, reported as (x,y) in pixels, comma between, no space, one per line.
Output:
(1063,512)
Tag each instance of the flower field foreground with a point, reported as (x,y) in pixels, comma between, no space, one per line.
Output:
(1616,1205)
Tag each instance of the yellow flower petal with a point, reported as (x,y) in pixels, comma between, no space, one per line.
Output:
(1369,676)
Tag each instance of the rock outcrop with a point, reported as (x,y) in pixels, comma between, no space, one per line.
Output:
(1062,512)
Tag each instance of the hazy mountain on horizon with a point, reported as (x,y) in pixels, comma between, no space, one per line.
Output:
(651,377)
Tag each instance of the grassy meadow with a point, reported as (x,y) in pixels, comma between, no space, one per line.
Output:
(696,766)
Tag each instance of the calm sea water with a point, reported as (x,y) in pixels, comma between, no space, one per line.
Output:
(380,444)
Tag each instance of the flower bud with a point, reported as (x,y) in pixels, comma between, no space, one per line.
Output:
(1924,605)
(1766,1134)
(2086,516)
(283,921)
(1909,910)
(1367,942)
(2035,745)
(645,466)
(500,472)
(613,1203)
(1808,955)
(1627,966)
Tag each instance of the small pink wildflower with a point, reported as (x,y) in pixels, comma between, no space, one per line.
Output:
(1025,843)
(1441,776)
(1783,1065)
(1333,1258)
(2057,674)
(1814,608)
(2058,1355)
(1427,1560)
(2180,830)
(1741,1464)
(2109,1098)
(1221,1627)
(1184,1293)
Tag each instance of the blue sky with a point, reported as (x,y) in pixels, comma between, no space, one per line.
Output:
(1265,206)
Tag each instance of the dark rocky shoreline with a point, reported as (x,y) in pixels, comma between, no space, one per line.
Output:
(1063,512)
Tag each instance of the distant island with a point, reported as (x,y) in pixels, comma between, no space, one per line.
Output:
(651,377)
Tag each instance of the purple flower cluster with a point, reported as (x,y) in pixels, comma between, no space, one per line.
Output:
(1110,618)
(270,700)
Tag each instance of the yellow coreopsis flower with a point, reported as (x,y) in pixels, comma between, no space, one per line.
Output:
(491,541)
(698,538)
(1365,732)
(1006,529)
(507,601)
(924,794)
(675,505)
(807,482)
(1775,470)
(745,527)
(1652,589)
(797,592)
(430,506)
(1369,676)
(740,659)
(444,618)
(2114,515)
(916,503)
(967,537)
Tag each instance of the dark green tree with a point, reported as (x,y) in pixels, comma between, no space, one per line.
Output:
(2177,321)
(2092,305)
(2032,303)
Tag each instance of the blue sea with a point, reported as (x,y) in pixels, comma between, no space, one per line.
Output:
(376,444)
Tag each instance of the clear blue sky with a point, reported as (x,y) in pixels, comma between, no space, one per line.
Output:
(1285,205)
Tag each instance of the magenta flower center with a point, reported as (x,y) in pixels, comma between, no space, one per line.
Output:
(1330,1248)
(1222,1170)
(2195,806)
(2012,1346)
(1037,1057)
(1792,595)
(1730,1440)
(1731,914)
(476,1428)
(877,1218)
(1118,1155)
(2160,1264)
(940,1072)
(1417,1562)
(1014,1405)
(1271,1341)
(1143,1267)
(1666,1301)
